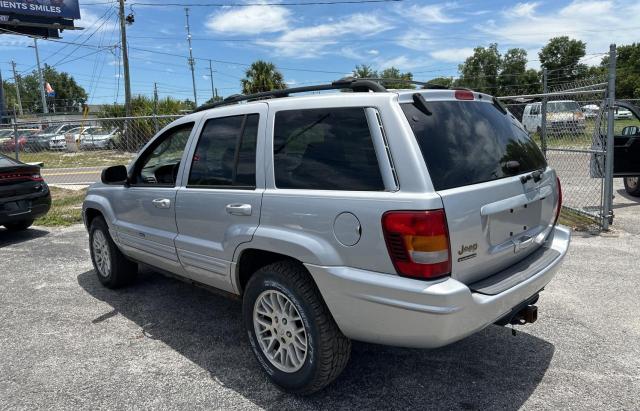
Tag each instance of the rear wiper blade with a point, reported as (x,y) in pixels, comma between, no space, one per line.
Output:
(421,103)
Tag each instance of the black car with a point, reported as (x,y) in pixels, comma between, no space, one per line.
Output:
(24,196)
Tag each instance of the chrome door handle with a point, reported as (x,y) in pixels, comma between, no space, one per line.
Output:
(161,203)
(239,209)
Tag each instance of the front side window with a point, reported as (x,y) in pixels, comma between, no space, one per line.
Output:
(325,149)
(160,163)
(226,153)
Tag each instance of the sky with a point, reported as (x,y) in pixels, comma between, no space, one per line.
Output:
(310,44)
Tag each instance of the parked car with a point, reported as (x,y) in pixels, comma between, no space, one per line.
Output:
(622,113)
(24,196)
(5,135)
(563,116)
(590,110)
(99,138)
(59,142)
(24,141)
(40,141)
(411,218)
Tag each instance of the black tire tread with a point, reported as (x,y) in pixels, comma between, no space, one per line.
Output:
(335,348)
(632,192)
(123,270)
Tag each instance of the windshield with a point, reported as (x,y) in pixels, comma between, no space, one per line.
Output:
(50,129)
(562,106)
(470,142)
(96,131)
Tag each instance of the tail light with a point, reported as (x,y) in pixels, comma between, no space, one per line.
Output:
(418,243)
(559,203)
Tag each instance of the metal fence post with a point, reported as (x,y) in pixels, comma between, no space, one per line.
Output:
(607,214)
(15,135)
(543,126)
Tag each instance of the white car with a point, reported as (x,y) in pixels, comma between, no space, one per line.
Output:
(590,110)
(59,142)
(622,113)
(99,138)
(562,116)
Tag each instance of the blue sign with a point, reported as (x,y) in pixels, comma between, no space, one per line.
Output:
(67,9)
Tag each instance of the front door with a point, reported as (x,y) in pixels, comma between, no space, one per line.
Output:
(218,206)
(626,154)
(146,225)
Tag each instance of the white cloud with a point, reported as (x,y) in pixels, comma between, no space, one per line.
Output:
(452,55)
(249,20)
(416,40)
(596,22)
(91,21)
(522,10)
(373,52)
(295,42)
(433,13)
(403,63)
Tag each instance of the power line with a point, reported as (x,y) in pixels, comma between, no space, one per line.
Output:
(310,3)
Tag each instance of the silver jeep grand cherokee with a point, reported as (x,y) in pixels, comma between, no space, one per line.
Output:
(411,218)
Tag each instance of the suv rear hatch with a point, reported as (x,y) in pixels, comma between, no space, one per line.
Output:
(499,196)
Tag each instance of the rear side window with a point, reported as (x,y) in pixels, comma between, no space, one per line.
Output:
(226,153)
(325,149)
(470,142)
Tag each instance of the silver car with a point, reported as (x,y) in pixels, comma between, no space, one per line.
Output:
(411,218)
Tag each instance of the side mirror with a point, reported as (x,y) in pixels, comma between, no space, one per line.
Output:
(630,130)
(114,175)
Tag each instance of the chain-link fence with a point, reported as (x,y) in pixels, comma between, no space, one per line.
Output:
(569,122)
(72,153)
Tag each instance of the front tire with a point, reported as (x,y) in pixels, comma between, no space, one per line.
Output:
(111,266)
(19,225)
(632,186)
(292,333)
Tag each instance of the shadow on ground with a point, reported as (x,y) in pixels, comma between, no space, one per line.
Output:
(490,370)
(16,237)
(635,201)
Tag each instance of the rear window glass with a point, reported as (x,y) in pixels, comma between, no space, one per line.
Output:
(325,149)
(470,142)
(6,161)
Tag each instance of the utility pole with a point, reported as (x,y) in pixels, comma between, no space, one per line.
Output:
(213,90)
(43,96)
(192,62)
(125,61)
(155,106)
(3,120)
(16,81)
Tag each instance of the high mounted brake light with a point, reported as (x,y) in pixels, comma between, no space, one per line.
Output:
(464,95)
(418,243)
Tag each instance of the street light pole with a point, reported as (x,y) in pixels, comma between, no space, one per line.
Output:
(43,96)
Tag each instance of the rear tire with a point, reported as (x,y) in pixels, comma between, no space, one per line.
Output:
(292,333)
(632,186)
(19,225)
(111,266)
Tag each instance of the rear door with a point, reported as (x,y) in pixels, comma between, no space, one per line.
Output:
(498,194)
(218,207)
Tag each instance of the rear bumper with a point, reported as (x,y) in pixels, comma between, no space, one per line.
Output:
(40,203)
(392,310)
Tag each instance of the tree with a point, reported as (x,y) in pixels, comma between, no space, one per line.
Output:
(441,81)
(514,78)
(393,73)
(262,76)
(480,71)
(214,99)
(627,71)
(364,71)
(561,57)
(69,95)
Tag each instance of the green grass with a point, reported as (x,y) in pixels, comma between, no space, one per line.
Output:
(96,158)
(577,221)
(66,208)
(581,140)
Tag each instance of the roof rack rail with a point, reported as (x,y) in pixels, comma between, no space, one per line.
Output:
(354,84)
(425,84)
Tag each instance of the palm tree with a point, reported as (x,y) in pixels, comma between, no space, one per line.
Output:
(262,76)
(364,71)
